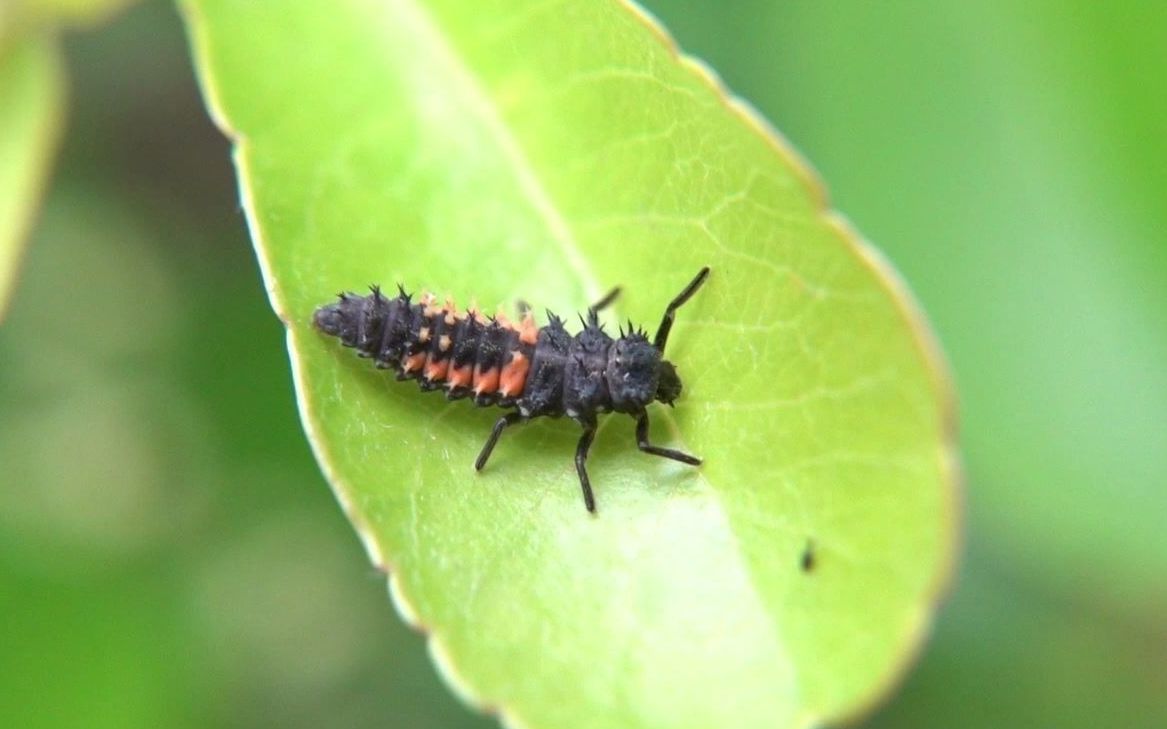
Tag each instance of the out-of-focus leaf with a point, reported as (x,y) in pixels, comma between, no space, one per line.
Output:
(31,101)
(549,150)
(17,14)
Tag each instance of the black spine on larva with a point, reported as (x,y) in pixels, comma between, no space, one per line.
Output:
(417,321)
(585,389)
(395,330)
(543,394)
(369,320)
(633,372)
(467,332)
(489,356)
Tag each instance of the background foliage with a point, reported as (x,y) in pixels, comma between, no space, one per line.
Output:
(158,504)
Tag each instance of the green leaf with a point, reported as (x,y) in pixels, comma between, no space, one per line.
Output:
(549,150)
(33,13)
(31,108)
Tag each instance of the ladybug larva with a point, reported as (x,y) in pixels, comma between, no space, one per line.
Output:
(537,371)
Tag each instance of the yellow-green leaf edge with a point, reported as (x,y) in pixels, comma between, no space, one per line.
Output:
(32,92)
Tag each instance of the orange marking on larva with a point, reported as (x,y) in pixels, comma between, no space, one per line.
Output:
(444,342)
(501,318)
(451,312)
(485,382)
(436,371)
(414,362)
(461,376)
(429,301)
(514,375)
(423,334)
(528,332)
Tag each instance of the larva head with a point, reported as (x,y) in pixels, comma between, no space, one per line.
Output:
(668,387)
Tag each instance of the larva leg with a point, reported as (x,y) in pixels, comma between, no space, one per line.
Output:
(662,333)
(605,302)
(499,426)
(581,457)
(642,442)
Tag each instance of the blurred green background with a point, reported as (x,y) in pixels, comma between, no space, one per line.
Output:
(171,556)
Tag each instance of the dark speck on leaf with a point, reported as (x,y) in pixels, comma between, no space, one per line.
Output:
(807,562)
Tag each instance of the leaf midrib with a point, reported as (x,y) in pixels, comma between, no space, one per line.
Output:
(528,181)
